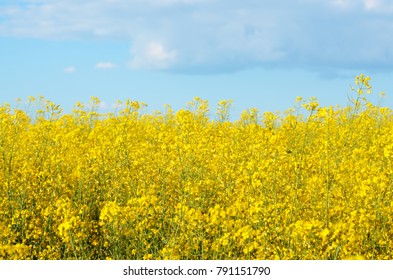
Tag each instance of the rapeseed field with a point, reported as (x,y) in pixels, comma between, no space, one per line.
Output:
(309,183)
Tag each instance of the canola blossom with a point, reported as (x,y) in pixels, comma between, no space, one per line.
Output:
(309,183)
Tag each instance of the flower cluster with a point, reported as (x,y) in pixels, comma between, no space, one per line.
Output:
(309,183)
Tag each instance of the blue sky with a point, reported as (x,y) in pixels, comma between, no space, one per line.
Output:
(260,53)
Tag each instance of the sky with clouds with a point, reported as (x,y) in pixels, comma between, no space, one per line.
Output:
(260,53)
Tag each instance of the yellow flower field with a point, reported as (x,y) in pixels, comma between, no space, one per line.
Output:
(309,183)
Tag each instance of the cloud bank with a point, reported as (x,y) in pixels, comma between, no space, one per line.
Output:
(219,35)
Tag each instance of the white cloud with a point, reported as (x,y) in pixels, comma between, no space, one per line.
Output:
(342,4)
(152,55)
(379,6)
(371,4)
(156,51)
(105,65)
(69,69)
